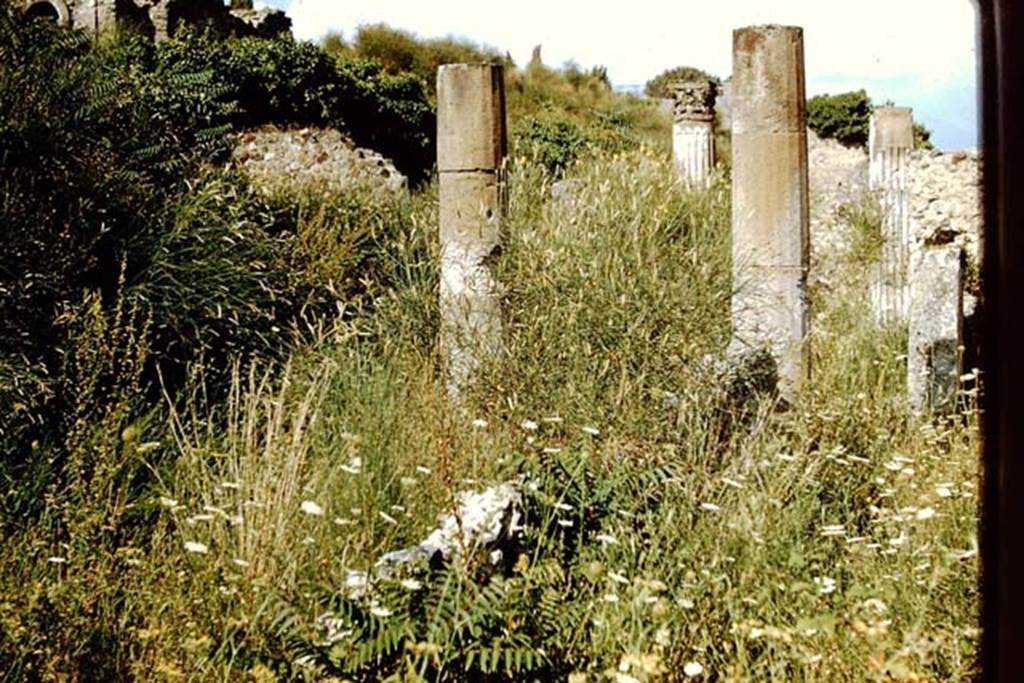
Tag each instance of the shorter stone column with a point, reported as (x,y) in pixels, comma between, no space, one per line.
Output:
(471,151)
(936,329)
(890,140)
(770,214)
(693,131)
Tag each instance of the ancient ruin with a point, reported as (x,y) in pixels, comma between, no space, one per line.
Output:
(890,141)
(770,214)
(159,19)
(471,151)
(693,131)
(934,349)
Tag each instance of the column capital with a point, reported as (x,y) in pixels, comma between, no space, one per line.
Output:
(694,100)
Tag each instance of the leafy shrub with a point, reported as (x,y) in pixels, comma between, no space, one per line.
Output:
(401,52)
(552,143)
(282,81)
(659,85)
(845,117)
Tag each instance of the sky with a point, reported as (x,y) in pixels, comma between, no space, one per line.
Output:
(917,53)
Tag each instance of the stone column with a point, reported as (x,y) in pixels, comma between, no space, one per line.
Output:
(471,152)
(936,329)
(770,215)
(693,131)
(890,140)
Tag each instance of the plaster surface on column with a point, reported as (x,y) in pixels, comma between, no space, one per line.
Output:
(890,141)
(770,214)
(936,329)
(693,131)
(470,157)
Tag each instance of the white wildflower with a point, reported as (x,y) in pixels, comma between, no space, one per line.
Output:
(479,423)
(711,507)
(787,457)
(732,482)
(411,584)
(693,669)
(565,507)
(611,597)
(529,425)
(195,519)
(943,492)
(925,513)
(380,612)
(826,584)
(607,539)
(618,578)
(311,508)
(423,470)
(233,485)
(57,560)
(168,502)
(551,450)
(241,563)
(193,547)
(593,431)
(565,522)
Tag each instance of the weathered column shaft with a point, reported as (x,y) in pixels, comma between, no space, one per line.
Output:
(936,329)
(471,150)
(693,131)
(770,215)
(890,140)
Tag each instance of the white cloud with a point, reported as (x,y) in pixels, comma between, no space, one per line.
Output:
(914,50)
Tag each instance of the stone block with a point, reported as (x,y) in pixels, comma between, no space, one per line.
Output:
(936,329)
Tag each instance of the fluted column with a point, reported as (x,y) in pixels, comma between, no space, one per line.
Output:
(890,140)
(693,131)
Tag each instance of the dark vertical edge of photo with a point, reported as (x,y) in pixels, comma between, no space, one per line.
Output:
(1001,23)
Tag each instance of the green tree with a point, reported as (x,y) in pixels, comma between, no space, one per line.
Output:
(844,117)
(922,137)
(660,84)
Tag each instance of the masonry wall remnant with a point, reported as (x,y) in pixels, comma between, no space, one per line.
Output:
(471,161)
(693,131)
(770,212)
(159,19)
(934,348)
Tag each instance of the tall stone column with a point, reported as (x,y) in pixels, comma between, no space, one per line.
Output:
(471,151)
(890,140)
(936,329)
(693,131)
(770,215)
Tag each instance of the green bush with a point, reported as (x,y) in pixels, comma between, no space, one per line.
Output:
(401,52)
(284,82)
(845,117)
(659,85)
(552,143)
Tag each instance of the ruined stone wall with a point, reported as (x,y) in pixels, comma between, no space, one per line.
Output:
(945,198)
(945,195)
(312,158)
(159,19)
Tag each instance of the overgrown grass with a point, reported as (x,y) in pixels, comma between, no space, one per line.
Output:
(832,541)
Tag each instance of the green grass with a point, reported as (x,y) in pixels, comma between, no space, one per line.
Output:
(830,541)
